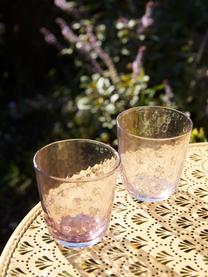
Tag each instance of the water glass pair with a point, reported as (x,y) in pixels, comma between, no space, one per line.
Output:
(76,178)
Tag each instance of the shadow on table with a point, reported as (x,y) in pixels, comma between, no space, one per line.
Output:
(183,217)
(113,257)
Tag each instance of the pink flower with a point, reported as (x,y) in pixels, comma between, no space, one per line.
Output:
(48,36)
(138,62)
(147,19)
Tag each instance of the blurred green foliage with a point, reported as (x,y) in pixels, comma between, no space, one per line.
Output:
(68,68)
(152,53)
(198,135)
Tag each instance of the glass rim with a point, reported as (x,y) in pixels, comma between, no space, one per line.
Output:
(85,179)
(153,107)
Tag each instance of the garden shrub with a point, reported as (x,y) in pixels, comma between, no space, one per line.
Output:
(131,55)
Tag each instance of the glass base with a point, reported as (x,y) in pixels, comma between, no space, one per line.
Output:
(150,199)
(151,189)
(77,232)
(76,245)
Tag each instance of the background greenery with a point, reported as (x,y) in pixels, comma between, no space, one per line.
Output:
(68,68)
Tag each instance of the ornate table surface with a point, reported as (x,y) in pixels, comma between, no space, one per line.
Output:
(168,238)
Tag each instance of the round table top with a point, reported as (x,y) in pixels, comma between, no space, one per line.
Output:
(168,238)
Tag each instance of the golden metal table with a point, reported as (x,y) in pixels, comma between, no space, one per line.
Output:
(168,238)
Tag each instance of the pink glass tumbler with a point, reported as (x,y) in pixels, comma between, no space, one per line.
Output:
(76,180)
(152,146)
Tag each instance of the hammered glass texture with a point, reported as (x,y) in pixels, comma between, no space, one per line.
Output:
(152,147)
(76,181)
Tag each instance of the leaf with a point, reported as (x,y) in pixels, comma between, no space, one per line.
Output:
(67,252)
(186,246)
(115,253)
(163,257)
(184,222)
(195,157)
(17,272)
(119,206)
(204,234)
(84,103)
(64,274)
(139,219)
(36,224)
(162,210)
(114,249)
(183,182)
(138,268)
(163,232)
(137,201)
(198,174)
(188,271)
(43,262)
(25,248)
(205,259)
(200,192)
(203,213)
(90,266)
(117,229)
(159,87)
(47,238)
(138,242)
(182,201)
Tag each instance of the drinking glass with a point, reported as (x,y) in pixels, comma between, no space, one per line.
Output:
(152,146)
(76,182)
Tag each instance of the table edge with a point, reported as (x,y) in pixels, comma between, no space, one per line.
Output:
(198,143)
(15,237)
